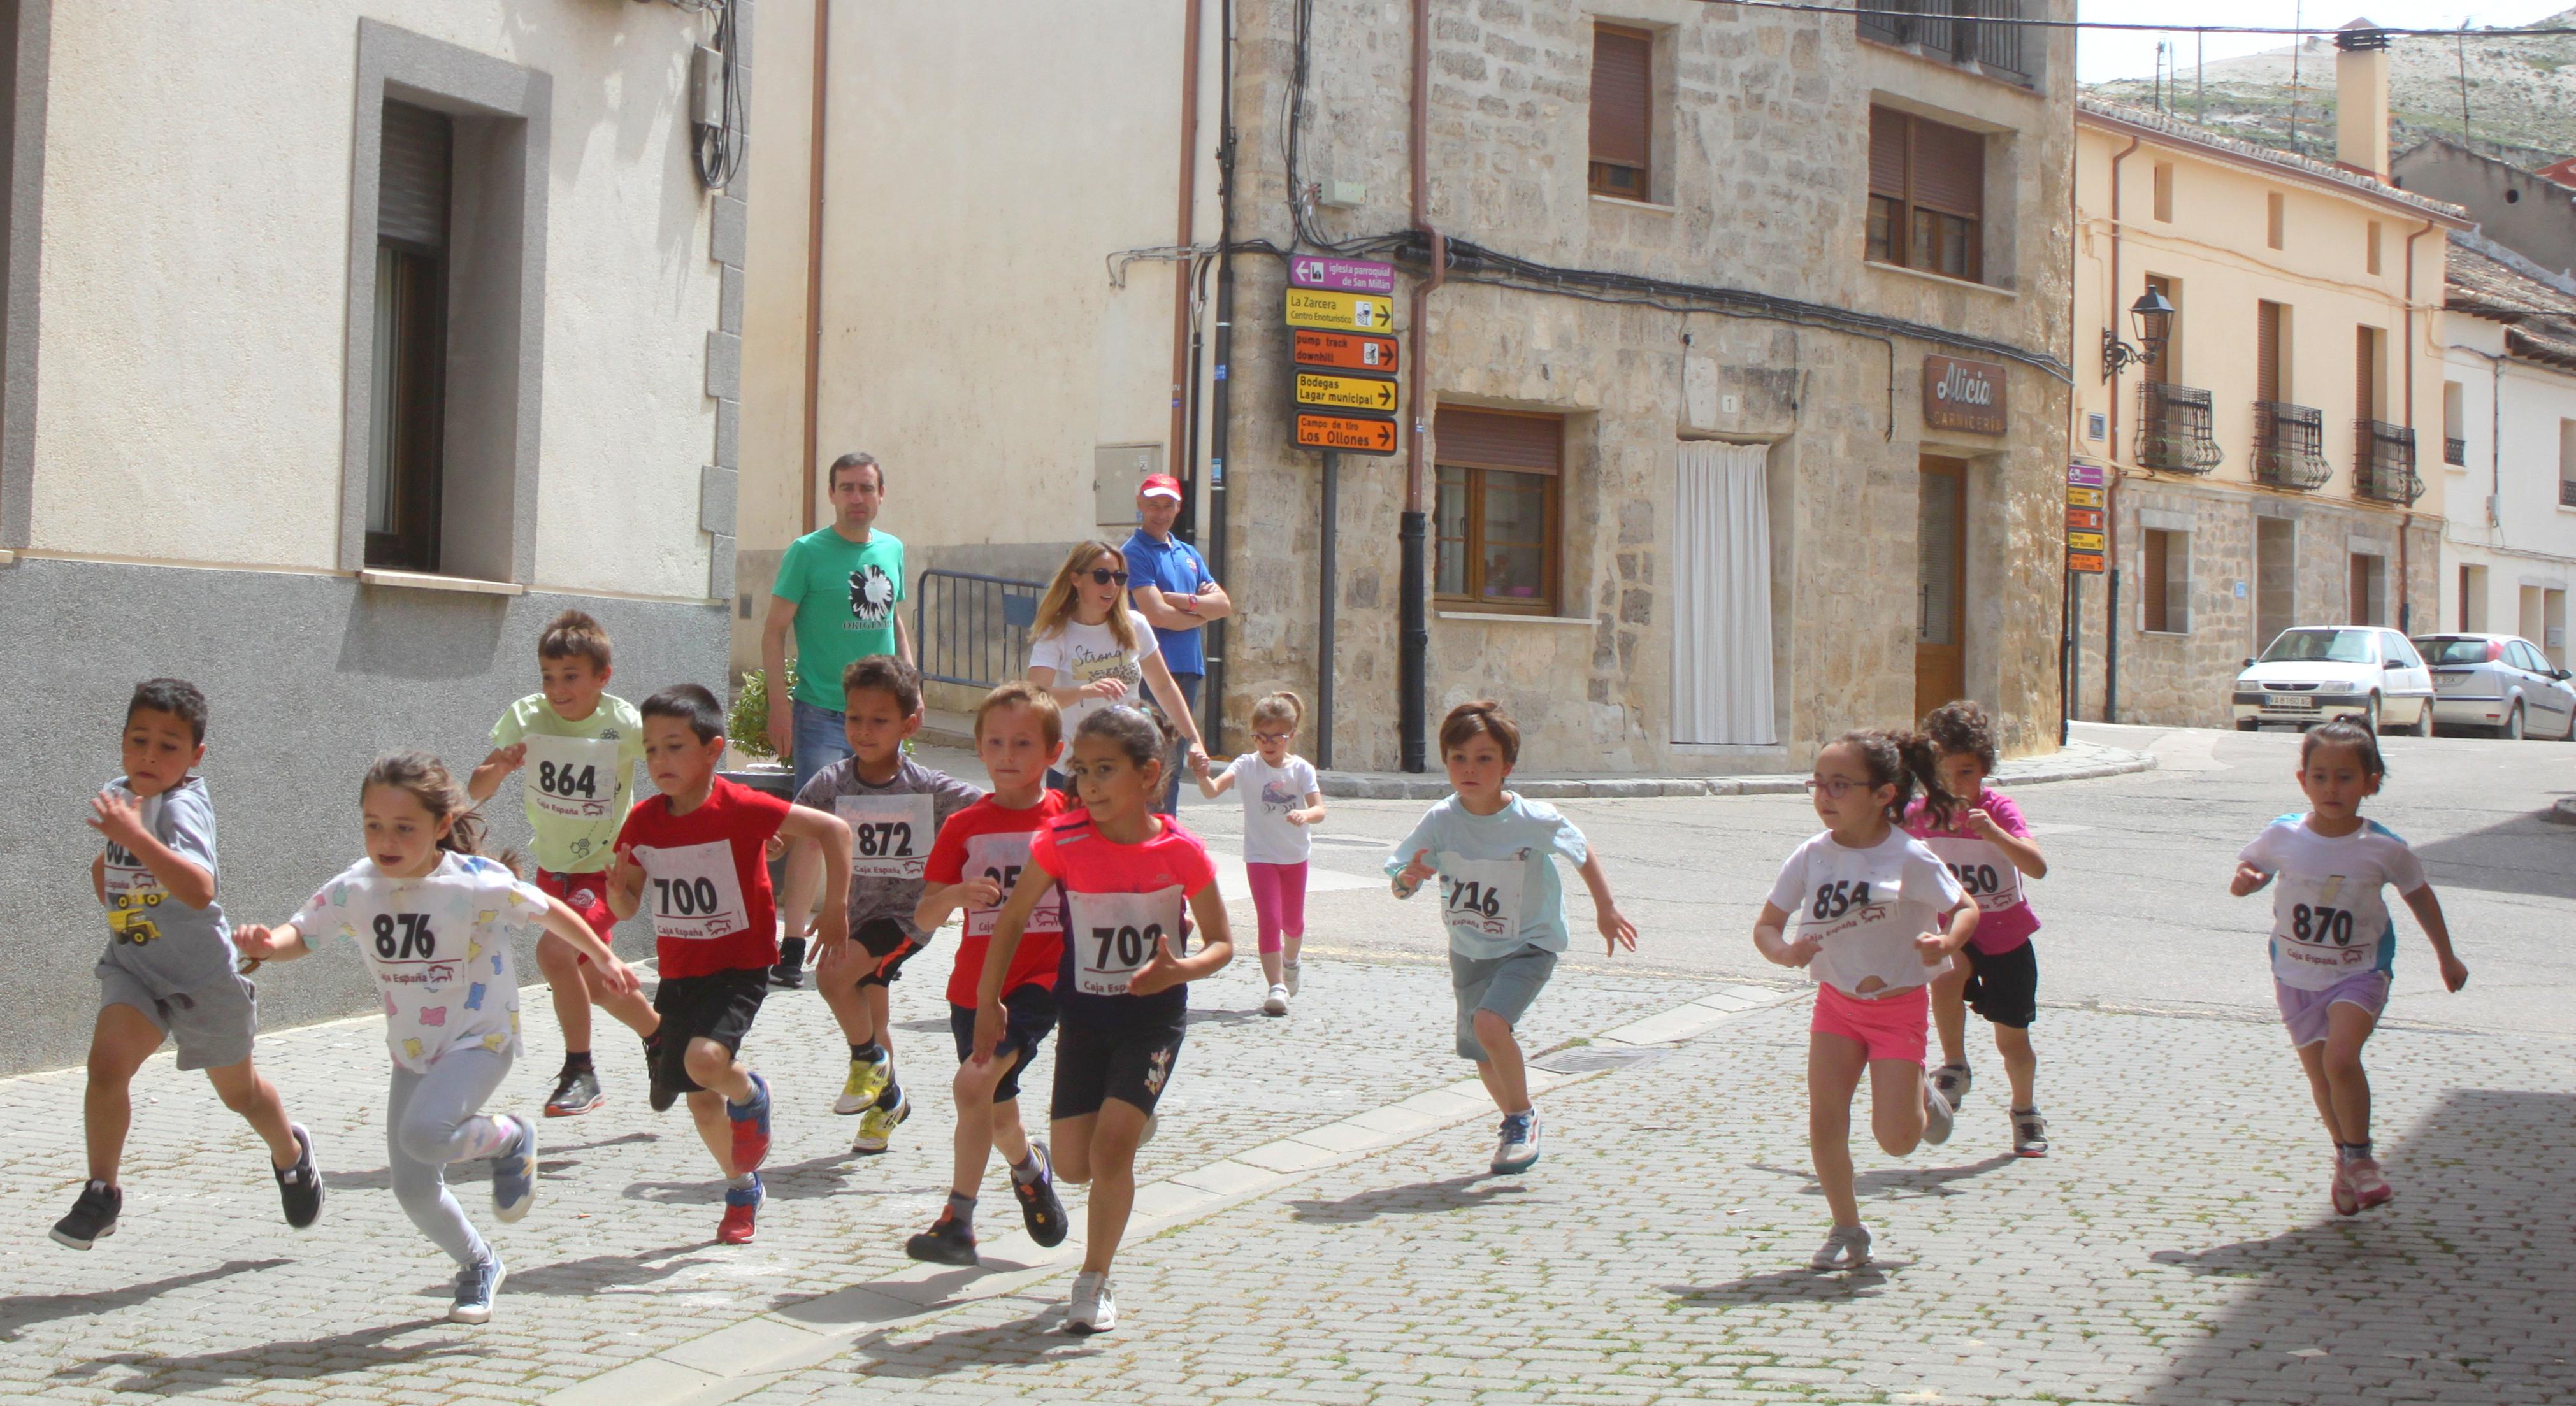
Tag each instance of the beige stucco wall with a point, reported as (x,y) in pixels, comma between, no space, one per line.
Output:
(195,283)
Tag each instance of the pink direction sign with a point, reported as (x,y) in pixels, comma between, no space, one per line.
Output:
(1341,275)
(2085,476)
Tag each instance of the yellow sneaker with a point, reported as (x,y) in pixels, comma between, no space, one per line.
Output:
(867,1080)
(878,1124)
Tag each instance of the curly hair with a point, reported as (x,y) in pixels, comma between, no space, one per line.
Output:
(1962,728)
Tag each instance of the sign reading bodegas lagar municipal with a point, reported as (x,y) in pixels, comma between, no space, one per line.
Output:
(1963,395)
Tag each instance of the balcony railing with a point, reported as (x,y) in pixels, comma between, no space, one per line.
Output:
(2383,467)
(2567,492)
(2290,446)
(2174,430)
(1962,31)
(2455,450)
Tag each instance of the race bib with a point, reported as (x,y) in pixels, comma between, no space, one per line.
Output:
(693,891)
(133,895)
(1866,934)
(1000,857)
(1114,933)
(889,835)
(2326,927)
(1481,898)
(570,778)
(1981,867)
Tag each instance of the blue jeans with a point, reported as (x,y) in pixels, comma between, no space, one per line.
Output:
(1180,755)
(822,737)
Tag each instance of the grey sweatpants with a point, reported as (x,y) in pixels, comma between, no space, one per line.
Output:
(431,1120)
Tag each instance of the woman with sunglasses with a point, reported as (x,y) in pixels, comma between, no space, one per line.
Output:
(1092,650)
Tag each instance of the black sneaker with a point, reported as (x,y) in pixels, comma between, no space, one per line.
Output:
(662,1095)
(789,974)
(93,1217)
(576,1093)
(1038,1204)
(947,1241)
(300,1187)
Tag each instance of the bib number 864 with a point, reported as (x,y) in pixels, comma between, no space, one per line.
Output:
(568,780)
(1132,945)
(2321,925)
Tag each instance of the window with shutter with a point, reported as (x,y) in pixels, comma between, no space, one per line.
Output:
(1927,183)
(415,167)
(2153,574)
(2267,353)
(1623,62)
(1496,510)
(2365,373)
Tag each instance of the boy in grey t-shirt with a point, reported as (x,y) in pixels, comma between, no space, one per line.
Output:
(168,971)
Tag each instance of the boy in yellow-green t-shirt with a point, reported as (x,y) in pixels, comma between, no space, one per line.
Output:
(576,747)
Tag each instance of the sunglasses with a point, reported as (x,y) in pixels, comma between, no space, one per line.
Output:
(1837,788)
(1272,736)
(1103,576)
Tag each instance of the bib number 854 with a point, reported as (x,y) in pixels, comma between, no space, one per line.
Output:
(1132,945)
(1839,897)
(2321,925)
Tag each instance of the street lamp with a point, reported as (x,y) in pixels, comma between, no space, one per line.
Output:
(2153,315)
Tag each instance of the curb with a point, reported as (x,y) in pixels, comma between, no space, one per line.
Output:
(2564,811)
(2076,762)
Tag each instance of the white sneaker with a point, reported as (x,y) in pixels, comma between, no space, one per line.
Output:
(1937,1115)
(1953,1082)
(1092,1309)
(1277,1002)
(1290,972)
(1517,1150)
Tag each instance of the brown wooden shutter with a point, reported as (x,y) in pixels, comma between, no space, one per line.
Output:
(1887,142)
(1622,83)
(1493,439)
(411,184)
(2157,367)
(2267,351)
(2365,374)
(1949,169)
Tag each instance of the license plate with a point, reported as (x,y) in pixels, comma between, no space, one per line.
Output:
(2290,705)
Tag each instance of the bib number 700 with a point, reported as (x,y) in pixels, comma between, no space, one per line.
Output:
(686,898)
(403,936)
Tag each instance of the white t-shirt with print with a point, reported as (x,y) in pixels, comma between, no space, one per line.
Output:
(2329,920)
(1868,905)
(438,947)
(1269,793)
(1084,654)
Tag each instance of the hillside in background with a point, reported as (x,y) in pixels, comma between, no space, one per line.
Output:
(2521,93)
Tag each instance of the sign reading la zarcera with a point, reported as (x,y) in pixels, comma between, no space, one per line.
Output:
(1341,316)
(1963,395)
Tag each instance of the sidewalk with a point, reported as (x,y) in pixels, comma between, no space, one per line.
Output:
(2076,761)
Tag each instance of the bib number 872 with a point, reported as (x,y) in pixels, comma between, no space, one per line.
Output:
(2321,925)
(404,935)
(1131,944)
(685,898)
(883,839)
(1468,896)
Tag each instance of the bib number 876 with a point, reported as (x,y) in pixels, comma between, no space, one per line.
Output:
(2321,925)
(1130,943)
(1468,896)
(404,935)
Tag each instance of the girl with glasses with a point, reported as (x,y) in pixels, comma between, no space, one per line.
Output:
(1091,650)
(1282,801)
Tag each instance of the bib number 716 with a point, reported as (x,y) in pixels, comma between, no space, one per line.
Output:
(1469,896)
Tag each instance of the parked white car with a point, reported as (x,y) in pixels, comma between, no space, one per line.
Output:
(2499,683)
(2315,673)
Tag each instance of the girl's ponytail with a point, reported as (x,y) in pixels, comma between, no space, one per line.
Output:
(1904,760)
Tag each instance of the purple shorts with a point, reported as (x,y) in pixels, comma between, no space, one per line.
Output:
(2305,1011)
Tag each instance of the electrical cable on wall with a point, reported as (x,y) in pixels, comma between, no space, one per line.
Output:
(717,147)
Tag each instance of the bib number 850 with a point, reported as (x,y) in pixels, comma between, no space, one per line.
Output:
(2321,925)
(404,935)
(1978,879)
(686,898)
(1132,944)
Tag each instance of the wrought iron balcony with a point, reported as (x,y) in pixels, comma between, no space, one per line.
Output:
(1962,31)
(2383,467)
(2174,430)
(2455,450)
(2290,446)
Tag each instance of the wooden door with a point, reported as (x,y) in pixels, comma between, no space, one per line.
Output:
(1940,581)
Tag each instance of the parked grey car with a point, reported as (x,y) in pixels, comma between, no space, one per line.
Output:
(2500,684)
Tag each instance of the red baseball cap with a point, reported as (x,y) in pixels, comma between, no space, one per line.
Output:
(1160,486)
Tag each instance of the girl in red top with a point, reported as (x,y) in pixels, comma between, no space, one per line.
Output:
(1121,991)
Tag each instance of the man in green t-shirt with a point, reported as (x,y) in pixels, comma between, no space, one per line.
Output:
(837,589)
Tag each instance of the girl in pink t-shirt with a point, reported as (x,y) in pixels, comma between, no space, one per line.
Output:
(1989,848)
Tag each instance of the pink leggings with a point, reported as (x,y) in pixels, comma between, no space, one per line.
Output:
(1278,900)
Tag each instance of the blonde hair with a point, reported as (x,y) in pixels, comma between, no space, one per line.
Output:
(1056,607)
(1020,693)
(575,634)
(1282,706)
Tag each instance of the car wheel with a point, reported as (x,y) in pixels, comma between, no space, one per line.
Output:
(2512,729)
(2423,720)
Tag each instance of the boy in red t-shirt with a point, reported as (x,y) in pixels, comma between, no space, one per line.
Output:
(978,857)
(695,856)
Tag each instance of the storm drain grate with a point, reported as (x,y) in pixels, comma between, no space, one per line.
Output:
(1583,1060)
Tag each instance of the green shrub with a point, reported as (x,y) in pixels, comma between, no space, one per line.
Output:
(747,723)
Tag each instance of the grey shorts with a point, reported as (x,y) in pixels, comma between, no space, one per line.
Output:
(1505,985)
(212,1024)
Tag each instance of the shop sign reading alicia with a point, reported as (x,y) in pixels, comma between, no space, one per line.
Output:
(1963,395)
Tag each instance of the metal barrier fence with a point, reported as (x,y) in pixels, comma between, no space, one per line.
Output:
(1964,31)
(973,630)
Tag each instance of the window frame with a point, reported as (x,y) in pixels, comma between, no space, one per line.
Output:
(1901,214)
(417,386)
(1594,165)
(1552,554)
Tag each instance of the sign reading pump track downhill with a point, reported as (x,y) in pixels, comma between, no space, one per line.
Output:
(1341,315)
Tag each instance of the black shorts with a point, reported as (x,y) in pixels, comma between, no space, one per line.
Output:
(884,940)
(718,1006)
(1028,1013)
(2004,986)
(1130,1061)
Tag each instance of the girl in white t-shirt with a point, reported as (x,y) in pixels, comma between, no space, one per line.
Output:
(1869,903)
(1090,649)
(1281,802)
(435,922)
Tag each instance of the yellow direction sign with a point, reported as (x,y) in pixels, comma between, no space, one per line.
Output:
(1340,312)
(1350,434)
(2084,497)
(2084,542)
(1345,392)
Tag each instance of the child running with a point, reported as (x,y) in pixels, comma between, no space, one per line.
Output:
(1091,650)
(2333,945)
(579,746)
(894,807)
(1868,900)
(979,858)
(435,923)
(1988,849)
(1128,876)
(696,856)
(1503,906)
(1281,803)
(168,971)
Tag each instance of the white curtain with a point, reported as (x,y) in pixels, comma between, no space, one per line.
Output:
(1722,626)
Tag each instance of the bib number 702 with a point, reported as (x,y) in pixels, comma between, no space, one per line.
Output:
(1131,944)
(1468,896)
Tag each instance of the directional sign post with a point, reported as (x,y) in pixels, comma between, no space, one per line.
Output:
(1340,312)
(2086,513)
(1342,395)
(1321,388)
(1350,434)
(1345,351)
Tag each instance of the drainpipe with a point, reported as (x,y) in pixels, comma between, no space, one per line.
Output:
(1182,447)
(814,261)
(1214,635)
(2111,480)
(2405,579)
(1413,646)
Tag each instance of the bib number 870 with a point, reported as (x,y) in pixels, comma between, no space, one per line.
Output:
(1839,897)
(2321,925)
(1468,896)
(404,935)
(686,898)
(1131,944)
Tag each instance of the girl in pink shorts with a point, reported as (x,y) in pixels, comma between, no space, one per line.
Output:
(1282,803)
(1868,902)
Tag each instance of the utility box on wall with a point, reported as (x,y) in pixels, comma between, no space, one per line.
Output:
(1117,471)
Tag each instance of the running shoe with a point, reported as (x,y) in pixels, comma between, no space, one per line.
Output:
(1517,1152)
(92,1219)
(789,973)
(741,1212)
(866,1084)
(2345,1203)
(476,1285)
(1039,1207)
(663,1095)
(1289,972)
(2030,1133)
(576,1093)
(299,1187)
(1846,1248)
(750,1127)
(1952,1080)
(514,1174)
(2369,1187)
(1092,1309)
(1937,1116)
(947,1241)
(1276,1003)
(878,1124)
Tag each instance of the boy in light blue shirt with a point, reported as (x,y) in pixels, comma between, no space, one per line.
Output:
(1502,904)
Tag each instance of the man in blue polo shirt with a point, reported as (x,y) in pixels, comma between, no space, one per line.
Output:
(1171,586)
